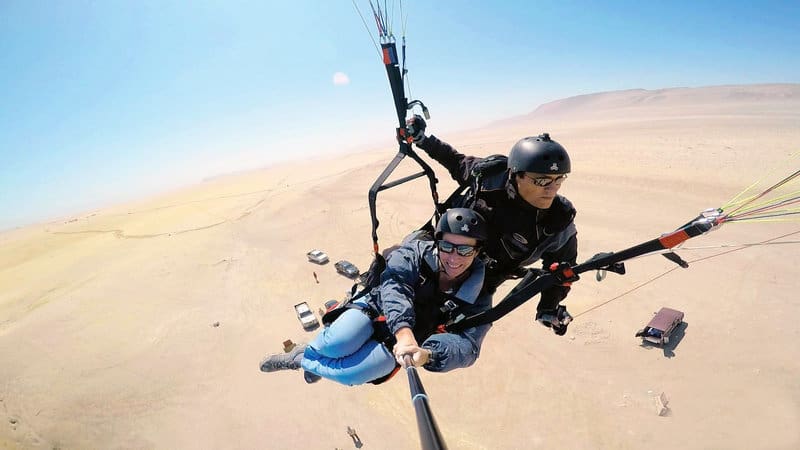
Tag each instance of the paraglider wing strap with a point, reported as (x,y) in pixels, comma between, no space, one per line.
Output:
(529,286)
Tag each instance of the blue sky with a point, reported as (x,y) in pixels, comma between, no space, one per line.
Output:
(106,101)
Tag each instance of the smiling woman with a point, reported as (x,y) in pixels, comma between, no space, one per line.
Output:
(364,340)
(462,230)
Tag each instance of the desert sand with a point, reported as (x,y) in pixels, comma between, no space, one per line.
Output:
(142,325)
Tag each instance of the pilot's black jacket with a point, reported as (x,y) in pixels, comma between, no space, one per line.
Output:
(519,233)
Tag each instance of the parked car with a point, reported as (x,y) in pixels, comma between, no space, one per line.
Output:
(347,269)
(327,307)
(330,304)
(661,326)
(306,316)
(317,256)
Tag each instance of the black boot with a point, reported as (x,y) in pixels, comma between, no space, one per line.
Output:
(311,377)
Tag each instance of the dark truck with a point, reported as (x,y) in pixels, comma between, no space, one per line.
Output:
(661,326)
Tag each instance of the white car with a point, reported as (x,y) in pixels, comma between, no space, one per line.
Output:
(317,256)
(306,316)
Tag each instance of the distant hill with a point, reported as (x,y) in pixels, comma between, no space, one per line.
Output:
(739,99)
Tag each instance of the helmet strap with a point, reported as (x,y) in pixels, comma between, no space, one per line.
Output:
(511,186)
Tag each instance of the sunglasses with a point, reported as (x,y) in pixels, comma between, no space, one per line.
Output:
(546,181)
(463,249)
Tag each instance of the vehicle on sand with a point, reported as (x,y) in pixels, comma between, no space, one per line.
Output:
(317,256)
(661,326)
(306,316)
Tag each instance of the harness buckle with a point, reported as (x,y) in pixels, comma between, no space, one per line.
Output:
(449,306)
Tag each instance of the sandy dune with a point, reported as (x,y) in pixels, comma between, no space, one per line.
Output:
(107,320)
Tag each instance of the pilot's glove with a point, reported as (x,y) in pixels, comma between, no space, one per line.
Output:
(416,128)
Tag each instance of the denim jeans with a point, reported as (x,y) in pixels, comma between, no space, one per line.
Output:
(345,352)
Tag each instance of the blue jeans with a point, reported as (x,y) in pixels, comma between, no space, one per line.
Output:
(345,352)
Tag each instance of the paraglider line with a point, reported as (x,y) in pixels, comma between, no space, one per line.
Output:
(366,27)
(767,191)
(768,241)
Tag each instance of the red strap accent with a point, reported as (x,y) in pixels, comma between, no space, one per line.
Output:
(673,239)
(565,274)
(441,329)
(404,137)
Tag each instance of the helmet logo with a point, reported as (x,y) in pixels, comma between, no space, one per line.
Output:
(520,238)
(554,167)
(465,228)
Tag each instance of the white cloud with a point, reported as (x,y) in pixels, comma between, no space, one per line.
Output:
(340,79)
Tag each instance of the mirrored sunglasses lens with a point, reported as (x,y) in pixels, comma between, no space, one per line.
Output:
(545,181)
(465,250)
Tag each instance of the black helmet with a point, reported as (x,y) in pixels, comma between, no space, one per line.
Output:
(462,221)
(538,154)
